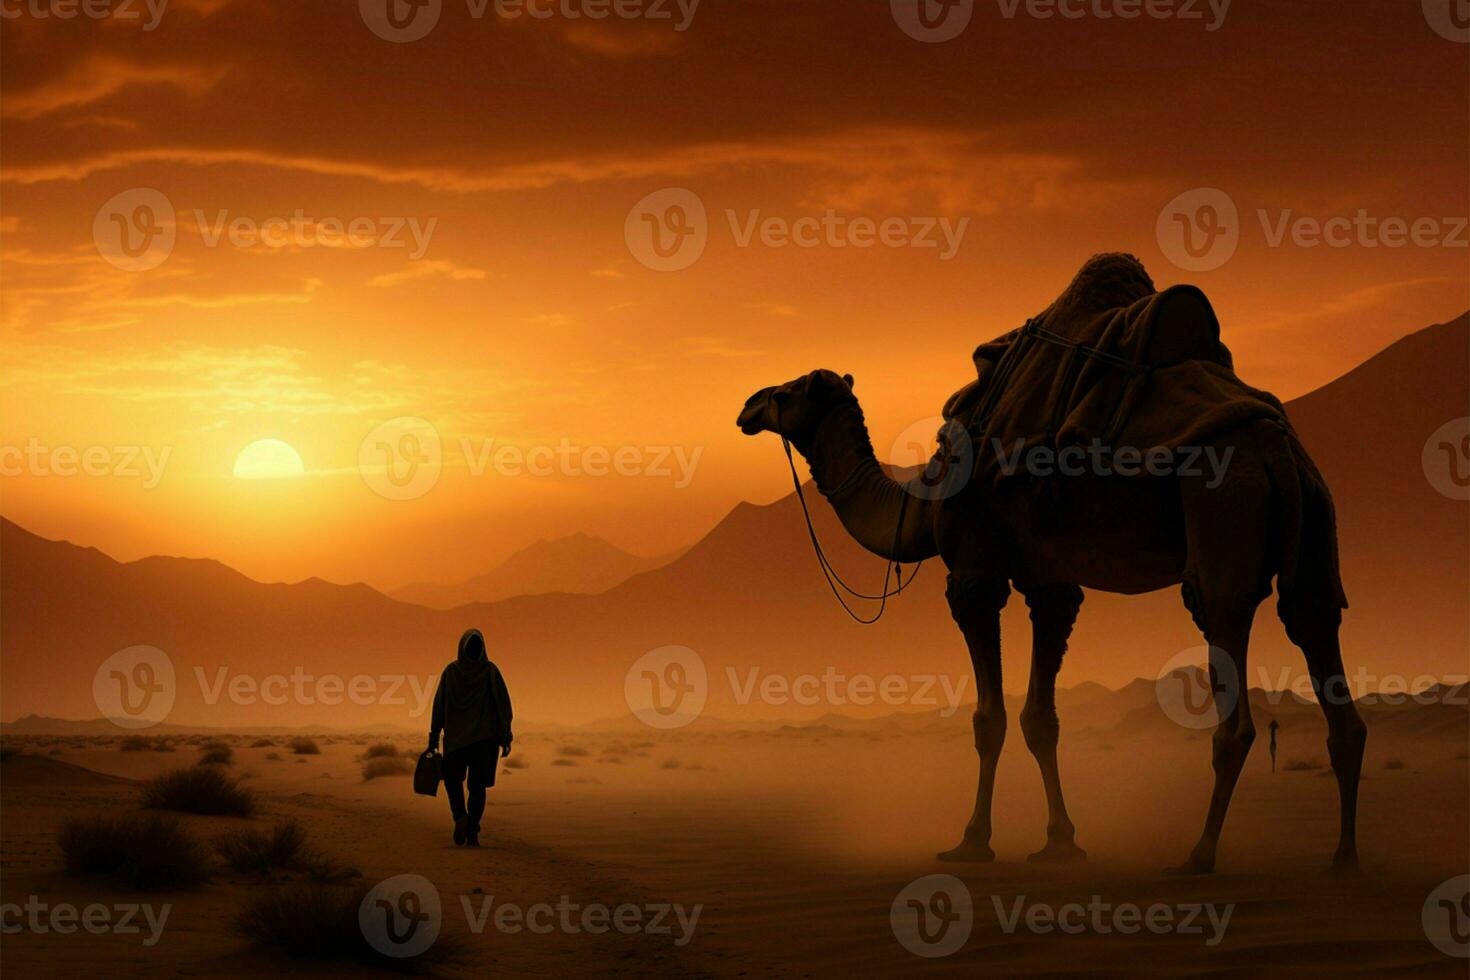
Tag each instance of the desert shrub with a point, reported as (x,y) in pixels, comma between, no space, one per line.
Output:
(146,851)
(1302,765)
(162,745)
(315,921)
(273,756)
(517,762)
(8,751)
(670,764)
(263,743)
(305,746)
(380,750)
(217,755)
(136,743)
(386,765)
(575,751)
(206,790)
(284,846)
(1394,764)
(563,762)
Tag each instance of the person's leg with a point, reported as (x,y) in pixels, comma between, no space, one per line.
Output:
(479,775)
(454,774)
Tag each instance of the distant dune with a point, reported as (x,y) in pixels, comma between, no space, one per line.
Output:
(581,564)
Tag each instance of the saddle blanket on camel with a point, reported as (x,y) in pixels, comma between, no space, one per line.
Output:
(1116,367)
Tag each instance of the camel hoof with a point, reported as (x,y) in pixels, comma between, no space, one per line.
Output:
(966,851)
(1058,852)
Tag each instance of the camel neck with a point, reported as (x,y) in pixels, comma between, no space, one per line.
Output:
(839,452)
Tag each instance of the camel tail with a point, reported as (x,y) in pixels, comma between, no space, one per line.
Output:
(1308,580)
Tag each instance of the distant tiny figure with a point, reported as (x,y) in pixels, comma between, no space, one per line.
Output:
(1274,725)
(472,709)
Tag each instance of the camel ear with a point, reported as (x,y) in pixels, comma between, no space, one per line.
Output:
(848,379)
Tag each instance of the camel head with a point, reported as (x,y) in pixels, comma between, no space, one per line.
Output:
(796,408)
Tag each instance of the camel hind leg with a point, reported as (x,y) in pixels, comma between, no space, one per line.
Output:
(1053,613)
(1346,733)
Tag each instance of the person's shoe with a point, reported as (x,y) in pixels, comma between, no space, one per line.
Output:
(472,838)
(460,831)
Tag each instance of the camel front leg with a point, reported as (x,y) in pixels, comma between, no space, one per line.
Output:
(1053,612)
(976,607)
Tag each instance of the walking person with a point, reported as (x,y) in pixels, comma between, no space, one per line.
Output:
(472,709)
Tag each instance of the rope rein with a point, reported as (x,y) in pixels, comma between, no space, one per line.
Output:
(829,573)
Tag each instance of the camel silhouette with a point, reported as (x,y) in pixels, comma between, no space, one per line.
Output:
(1110,533)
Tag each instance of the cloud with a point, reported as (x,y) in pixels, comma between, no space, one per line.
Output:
(862,167)
(422,269)
(93,79)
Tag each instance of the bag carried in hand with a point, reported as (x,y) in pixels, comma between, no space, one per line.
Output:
(428,774)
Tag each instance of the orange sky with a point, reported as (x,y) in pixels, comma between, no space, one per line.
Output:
(517,147)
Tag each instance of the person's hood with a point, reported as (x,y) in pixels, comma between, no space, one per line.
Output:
(472,648)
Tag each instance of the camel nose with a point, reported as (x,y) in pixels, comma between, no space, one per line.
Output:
(752,416)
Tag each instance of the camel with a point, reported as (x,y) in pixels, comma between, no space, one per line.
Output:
(1125,535)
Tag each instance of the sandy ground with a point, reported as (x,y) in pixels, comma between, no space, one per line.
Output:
(793,846)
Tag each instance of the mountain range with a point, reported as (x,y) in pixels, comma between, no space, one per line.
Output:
(578,563)
(748,598)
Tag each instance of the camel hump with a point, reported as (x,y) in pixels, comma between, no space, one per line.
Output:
(1107,281)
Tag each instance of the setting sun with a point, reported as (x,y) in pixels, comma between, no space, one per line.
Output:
(268,459)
